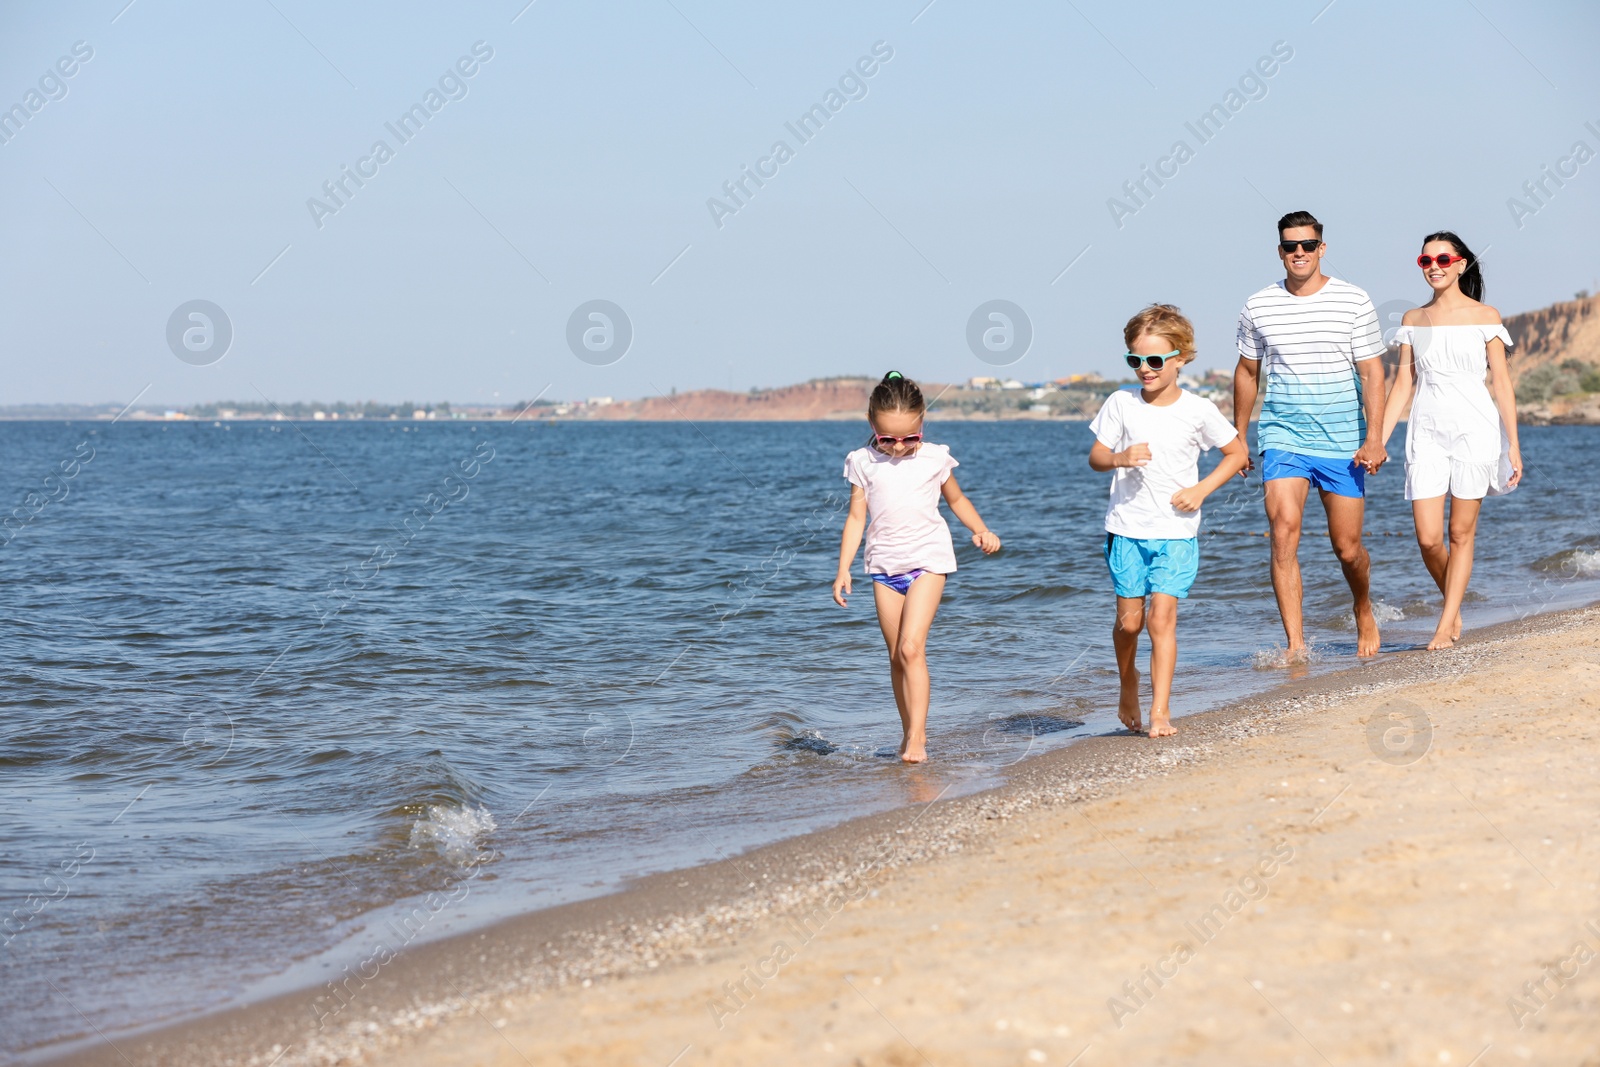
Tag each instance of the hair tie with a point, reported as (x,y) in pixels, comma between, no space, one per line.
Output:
(893,375)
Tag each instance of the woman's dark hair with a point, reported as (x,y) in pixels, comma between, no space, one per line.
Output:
(896,393)
(1472,278)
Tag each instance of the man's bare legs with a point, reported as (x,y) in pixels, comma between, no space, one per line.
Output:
(1286,509)
(1345,515)
(905,621)
(1125,639)
(1286,502)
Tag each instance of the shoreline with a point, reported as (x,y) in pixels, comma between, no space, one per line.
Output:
(685,916)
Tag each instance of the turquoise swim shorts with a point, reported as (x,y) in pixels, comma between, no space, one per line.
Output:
(1144,565)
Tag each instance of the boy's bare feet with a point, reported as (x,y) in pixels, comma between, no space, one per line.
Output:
(1128,712)
(1367,639)
(1161,723)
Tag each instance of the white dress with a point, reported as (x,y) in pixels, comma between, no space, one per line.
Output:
(1455,442)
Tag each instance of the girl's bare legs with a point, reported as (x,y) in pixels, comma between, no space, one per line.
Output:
(1125,639)
(905,621)
(1429,517)
(1463,535)
(1163,626)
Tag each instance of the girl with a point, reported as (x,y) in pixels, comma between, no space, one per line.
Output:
(899,479)
(1461,439)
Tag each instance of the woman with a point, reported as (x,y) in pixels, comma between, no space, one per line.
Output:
(1461,440)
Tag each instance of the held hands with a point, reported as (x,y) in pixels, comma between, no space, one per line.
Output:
(988,540)
(1370,456)
(841,588)
(1133,456)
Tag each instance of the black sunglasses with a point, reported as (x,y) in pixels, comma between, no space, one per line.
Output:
(1304,246)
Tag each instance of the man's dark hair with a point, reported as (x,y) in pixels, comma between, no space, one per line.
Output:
(1299,218)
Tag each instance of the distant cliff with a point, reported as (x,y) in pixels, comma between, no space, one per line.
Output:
(1555,362)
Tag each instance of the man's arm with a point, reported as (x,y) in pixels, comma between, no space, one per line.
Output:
(1372,454)
(1246,386)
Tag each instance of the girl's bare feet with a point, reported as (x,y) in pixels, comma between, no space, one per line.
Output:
(1161,723)
(1128,713)
(914,751)
(1442,640)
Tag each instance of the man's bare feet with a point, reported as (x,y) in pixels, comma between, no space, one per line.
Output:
(1128,712)
(1161,723)
(1367,639)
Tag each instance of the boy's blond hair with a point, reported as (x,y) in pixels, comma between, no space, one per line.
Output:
(1162,320)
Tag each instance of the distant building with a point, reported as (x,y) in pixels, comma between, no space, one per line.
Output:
(983,383)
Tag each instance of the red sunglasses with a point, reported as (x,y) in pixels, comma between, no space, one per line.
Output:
(1444,259)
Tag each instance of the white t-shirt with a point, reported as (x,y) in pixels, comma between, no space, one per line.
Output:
(1141,497)
(906,532)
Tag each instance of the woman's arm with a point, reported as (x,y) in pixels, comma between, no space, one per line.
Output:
(854,524)
(1505,400)
(1399,394)
(982,536)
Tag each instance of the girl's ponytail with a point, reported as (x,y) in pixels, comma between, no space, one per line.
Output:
(896,393)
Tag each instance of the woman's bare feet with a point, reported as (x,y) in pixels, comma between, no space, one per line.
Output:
(1161,723)
(1128,712)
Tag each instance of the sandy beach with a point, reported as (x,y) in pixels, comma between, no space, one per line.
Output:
(1396,864)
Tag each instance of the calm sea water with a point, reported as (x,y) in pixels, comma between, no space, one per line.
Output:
(265,682)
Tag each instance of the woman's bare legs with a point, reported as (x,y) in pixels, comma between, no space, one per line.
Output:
(905,621)
(1429,517)
(1463,538)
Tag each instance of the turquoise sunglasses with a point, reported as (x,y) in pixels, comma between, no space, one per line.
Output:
(1155,362)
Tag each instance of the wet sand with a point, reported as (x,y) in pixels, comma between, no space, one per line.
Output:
(1397,863)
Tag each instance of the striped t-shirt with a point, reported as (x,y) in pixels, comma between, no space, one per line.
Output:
(1310,346)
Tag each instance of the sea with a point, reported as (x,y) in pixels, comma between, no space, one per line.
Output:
(268,684)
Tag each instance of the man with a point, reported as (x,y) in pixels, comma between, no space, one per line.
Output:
(1321,422)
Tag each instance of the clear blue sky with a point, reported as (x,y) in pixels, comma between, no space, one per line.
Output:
(579,162)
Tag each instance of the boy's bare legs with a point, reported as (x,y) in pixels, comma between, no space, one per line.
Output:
(1463,537)
(905,621)
(1163,625)
(1286,508)
(1125,639)
(1429,518)
(1345,515)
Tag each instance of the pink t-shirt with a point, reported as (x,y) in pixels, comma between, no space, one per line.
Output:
(906,532)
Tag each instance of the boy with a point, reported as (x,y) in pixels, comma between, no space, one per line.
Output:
(1152,439)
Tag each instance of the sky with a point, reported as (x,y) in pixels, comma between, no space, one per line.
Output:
(574,152)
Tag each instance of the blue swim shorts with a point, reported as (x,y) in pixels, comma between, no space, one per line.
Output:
(1144,565)
(899,582)
(1341,477)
